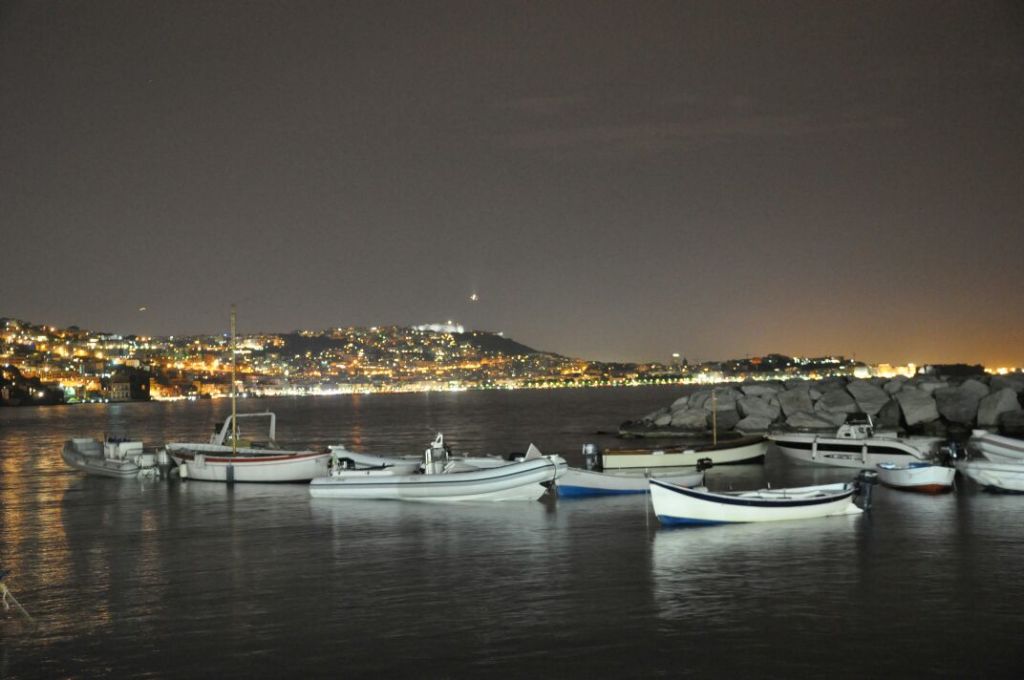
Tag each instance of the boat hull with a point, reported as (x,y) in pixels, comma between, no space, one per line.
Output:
(998,449)
(747,451)
(675,505)
(288,467)
(995,476)
(846,453)
(521,481)
(921,478)
(577,483)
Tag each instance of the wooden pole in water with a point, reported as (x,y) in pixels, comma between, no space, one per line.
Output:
(234,413)
(714,417)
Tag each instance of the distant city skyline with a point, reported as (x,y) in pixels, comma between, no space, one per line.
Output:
(611,181)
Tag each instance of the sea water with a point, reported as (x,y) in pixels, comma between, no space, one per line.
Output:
(144,578)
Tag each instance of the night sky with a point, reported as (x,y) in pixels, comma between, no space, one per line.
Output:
(614,181)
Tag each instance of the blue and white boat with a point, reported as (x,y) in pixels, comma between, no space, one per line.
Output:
(578,483)
(677,505)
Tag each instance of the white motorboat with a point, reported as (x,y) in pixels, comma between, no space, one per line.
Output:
(113,457)
(995,476)
(917,476)
(439,480)
(578,483)
(677,505)
(997,448)
(407,464)
(855,445)
(741,450)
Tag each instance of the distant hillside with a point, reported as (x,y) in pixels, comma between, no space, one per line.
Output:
(491,342)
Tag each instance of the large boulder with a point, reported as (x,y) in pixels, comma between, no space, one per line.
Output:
(917,405)
(835,417)
(837,401)
(753,425)
(795,400)
(690,419)
(1014,382)
(990,408)
(929,386)
(662,420)
(680,403)
(1011,424)
(975,387)
(957,404)
(870,398)
(765,389)
(895,385)
(758,407)
(724,418)
(889,415)
(804,420)
(724,397)
(654,415)
(830,385)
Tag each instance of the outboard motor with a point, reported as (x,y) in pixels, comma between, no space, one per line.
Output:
(866,481)
(951,453)
(592,457)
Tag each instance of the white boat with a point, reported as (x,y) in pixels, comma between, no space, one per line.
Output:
(578,483)
(742,450)
(995,476)
(357,460)
(523,480)
(917,476)
(113,457)
(677,505)
(229,459)
(996,448)
(855,445)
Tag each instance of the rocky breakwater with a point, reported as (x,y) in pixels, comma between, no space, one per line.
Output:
(924,404)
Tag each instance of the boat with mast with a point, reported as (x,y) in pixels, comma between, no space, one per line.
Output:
(222,460)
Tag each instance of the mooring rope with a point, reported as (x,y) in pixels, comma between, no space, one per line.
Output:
(7,594)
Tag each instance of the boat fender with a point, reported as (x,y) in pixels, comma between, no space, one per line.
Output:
(592,457)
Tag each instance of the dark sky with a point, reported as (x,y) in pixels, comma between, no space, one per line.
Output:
(614,180)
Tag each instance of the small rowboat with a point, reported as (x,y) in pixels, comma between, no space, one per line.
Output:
(577,483)
(743,450)
(677,505)
(998,449)
(917,476)
(995,476)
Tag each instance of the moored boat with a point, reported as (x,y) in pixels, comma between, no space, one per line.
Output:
(113,457)
(439,481)
(358,460)
(995,476)
(854,445)
(578,483)
(917,476)
(997,448)
(677,505)
(741,450)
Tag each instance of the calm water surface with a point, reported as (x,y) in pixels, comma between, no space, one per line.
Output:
(172,579)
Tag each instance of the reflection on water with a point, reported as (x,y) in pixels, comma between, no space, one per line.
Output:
(191,579)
